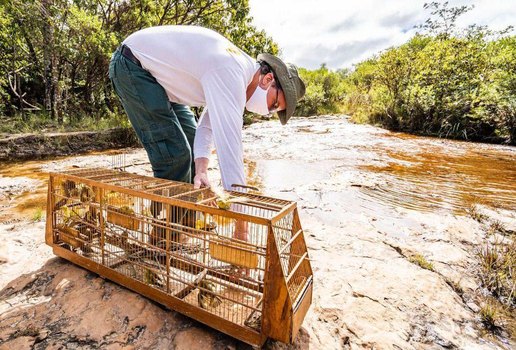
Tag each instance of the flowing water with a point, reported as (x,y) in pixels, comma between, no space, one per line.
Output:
(447,177)
(368,168)
(385,169)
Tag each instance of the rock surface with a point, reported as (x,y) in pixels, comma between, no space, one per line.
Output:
(62,304)
(363,228)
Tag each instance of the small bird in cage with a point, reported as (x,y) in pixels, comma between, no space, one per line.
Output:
(69,190)
(224,200)
(206,299)
(91,216)
(205,222)
(87,194)
(151,277)
(126,210)
(254,321)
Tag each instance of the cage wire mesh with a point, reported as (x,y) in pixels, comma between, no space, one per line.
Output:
(118,161)
(197,255)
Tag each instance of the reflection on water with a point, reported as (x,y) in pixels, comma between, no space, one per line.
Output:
(444,178)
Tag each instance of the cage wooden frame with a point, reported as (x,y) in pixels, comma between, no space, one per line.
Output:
(173,244)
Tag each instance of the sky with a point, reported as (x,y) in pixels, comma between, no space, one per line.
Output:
(341,33)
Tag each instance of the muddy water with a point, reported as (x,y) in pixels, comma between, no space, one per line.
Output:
(454,177)
(380,169)
(24,199)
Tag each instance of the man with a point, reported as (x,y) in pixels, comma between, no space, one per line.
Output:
(159,71)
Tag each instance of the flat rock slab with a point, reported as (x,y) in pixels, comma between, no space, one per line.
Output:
(62,304)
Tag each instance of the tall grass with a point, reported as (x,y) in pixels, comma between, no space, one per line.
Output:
(498,269)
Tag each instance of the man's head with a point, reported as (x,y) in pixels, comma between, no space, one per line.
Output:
(269,81)
(283,85)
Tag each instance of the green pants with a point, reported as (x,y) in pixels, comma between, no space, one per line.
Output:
(165,129)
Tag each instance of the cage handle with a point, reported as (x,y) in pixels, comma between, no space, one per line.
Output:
(246,186)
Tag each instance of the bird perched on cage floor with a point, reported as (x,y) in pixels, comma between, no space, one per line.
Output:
(254,321)
(151,277)
(206,299)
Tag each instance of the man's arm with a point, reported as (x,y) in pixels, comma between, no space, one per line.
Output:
(224,90)
(225,99)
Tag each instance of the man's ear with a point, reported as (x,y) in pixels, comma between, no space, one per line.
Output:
(267,80)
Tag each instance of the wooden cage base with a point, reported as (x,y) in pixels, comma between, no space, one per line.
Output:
(242,333)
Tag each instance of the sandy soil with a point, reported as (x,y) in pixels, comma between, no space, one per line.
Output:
(369,201)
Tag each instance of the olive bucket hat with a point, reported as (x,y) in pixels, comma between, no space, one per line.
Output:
(292,86)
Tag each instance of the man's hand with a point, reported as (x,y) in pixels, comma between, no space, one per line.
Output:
(201,173)
(201,180)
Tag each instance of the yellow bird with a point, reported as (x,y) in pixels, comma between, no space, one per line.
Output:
(224,199)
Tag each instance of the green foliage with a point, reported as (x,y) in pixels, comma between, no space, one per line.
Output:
(324,91)
(449,84)
(42,122)
(54,55)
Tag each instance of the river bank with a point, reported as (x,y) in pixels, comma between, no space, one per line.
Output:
(370,201)
(38,146)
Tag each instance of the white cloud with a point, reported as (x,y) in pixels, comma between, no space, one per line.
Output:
(343,32)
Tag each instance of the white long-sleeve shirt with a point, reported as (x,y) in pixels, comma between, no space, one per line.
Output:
(199,67)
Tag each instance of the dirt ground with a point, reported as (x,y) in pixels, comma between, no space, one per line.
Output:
(370,201)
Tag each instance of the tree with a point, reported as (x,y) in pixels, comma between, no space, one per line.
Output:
(55,53)
(443,19)
(324,91)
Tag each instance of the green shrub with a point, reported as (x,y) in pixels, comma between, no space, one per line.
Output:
(325,91)
(458,85)
(497,261)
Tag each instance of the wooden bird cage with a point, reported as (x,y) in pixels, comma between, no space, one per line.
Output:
(173,244)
